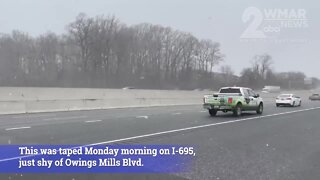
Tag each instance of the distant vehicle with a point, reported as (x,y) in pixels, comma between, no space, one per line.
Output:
(314,97)
(125,88)
(288,100)
(198,89)
(207,89)
(271,89)
(235,99)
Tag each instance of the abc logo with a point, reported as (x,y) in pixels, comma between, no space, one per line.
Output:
(271,29)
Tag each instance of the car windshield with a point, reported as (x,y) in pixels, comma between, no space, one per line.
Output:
(230,90)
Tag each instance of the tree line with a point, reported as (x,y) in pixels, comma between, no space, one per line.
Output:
(102,52)
(261,74)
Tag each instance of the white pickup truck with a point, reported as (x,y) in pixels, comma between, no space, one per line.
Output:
(235,99)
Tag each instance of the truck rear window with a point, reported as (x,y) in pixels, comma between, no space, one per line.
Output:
(230,90)
(285,95)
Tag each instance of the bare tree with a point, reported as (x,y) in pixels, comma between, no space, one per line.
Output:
(228,75)
(102,52)
(261,64)
(80,30)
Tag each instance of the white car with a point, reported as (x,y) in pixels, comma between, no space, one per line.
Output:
(288,100)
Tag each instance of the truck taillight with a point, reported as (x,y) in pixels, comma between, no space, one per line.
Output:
(230,100)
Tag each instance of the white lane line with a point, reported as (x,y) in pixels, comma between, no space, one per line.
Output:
(203,111)
(196,127)
(177,113)
(172,131)
(65,118)
(16,128)
(145,117)
(93,121)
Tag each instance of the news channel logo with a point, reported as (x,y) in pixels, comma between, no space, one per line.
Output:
(273,24)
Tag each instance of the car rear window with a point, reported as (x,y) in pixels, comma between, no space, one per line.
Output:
(230,90)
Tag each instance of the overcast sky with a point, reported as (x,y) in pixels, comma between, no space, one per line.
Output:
(292,49)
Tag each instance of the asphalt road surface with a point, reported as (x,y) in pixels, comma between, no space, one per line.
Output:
(282,143)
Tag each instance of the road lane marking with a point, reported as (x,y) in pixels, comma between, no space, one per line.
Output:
(65,118)
(177,113)
(171,131)
(145,117)
(203,111)
(16,128)
(93,121)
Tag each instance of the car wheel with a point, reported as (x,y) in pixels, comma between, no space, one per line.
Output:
(260,109)
(212,112)
(238,110)
(293,104)
(277,105)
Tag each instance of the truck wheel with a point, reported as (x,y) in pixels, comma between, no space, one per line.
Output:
(212,112)
(238,110)
(260,109)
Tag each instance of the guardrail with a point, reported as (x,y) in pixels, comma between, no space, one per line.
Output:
(30,100)
(15,100)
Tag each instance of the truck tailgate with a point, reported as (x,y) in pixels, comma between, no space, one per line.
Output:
(220,100)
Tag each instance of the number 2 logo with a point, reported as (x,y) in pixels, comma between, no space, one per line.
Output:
(252,30)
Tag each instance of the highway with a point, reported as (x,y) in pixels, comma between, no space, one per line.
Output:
(282,143)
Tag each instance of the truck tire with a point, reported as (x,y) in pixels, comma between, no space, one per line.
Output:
(238,110)
(260,109)
(212,112)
